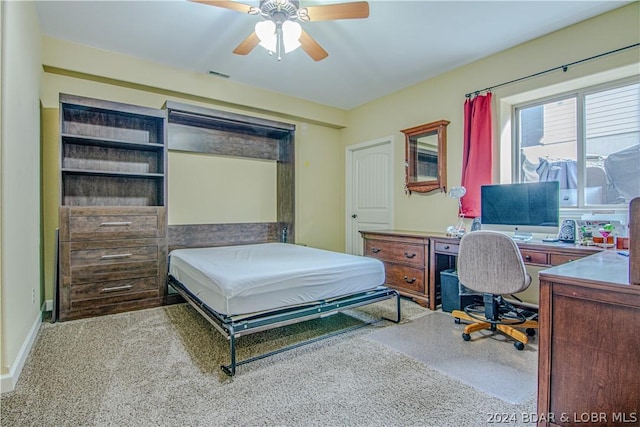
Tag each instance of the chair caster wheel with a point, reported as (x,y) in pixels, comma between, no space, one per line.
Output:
(457,321)
(466,337)
(530,332)
(518,345)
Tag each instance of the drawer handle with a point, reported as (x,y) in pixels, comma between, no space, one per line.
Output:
(447,247)
(406,279)
(116,224)
(527,257)
(375,250)
(408,255)
(115,256)
(117,288)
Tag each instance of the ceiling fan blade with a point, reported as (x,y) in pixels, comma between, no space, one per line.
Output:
(239,7)
(247,44)
(313,49)
(355,10)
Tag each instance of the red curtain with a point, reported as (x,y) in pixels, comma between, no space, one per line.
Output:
(477,155)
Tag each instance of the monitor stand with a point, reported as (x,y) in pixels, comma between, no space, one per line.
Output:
(522,237)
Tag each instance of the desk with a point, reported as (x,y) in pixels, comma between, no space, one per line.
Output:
(589,348)
(414,259)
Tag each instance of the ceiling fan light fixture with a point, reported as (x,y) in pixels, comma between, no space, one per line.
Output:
(266,32)
(280,31)
(291,32)
(278,37)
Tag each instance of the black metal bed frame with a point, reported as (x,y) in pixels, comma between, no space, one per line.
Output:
(233,327)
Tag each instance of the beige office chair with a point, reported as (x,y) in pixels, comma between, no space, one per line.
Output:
(489,263)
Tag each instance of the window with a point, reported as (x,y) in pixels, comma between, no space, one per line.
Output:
(588,140)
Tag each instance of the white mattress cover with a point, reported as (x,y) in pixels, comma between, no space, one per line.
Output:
(251,278)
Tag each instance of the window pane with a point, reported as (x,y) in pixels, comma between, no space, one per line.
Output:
(548,143)
(612,145)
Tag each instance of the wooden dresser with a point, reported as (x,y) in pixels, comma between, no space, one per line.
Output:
(112,259)
(589,349)
(112,252)
(405,256)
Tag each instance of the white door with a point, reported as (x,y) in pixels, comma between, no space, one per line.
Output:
(369,192)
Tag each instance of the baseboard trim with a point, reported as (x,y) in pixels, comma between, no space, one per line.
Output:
(8,381)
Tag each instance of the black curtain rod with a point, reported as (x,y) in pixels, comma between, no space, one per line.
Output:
(564,68)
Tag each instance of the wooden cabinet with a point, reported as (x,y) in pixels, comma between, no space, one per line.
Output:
(113,222)
(588,347)
(443,256)
(112,259)
(405,260)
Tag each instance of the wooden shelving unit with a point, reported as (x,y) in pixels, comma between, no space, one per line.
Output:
(112,207)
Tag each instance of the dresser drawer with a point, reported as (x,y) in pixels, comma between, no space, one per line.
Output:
(108,272)
(402,253)
(533,257)
(86,261)
(111,223)
(117,255)
(446,248)
(123,289)
(112,227)
(405,278)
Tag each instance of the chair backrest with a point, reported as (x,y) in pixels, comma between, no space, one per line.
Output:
(490,262)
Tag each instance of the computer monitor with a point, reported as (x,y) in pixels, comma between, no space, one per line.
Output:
(523,209)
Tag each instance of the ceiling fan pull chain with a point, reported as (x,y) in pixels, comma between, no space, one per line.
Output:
(279,41)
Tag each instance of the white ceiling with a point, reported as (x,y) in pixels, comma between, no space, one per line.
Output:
(400,44)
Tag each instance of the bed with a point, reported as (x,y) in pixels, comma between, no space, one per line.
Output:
(243,289)
(242,307)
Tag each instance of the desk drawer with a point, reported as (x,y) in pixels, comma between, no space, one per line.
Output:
(533,257)
(405,278)
(557,259)
(401,253)
(447,248)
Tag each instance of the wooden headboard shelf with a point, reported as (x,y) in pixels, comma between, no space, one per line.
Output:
(203,130)
(208,235)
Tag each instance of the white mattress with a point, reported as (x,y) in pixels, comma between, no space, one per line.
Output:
(251,278)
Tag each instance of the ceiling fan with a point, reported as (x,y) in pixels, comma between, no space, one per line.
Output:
(280,31)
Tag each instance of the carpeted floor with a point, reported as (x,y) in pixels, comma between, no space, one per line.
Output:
(489,362)
(161,367)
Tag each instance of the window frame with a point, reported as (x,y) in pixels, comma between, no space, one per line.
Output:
(580,94)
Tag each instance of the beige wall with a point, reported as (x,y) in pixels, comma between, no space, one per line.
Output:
(50,195)
(216,189)
(20,129)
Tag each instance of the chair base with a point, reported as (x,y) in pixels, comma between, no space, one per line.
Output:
(509,330)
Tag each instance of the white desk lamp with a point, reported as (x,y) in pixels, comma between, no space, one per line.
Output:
(457,193)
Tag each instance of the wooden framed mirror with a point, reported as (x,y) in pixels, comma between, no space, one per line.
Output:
(426,157)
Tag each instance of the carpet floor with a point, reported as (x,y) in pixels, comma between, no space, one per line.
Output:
(160,367)
(489,362)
